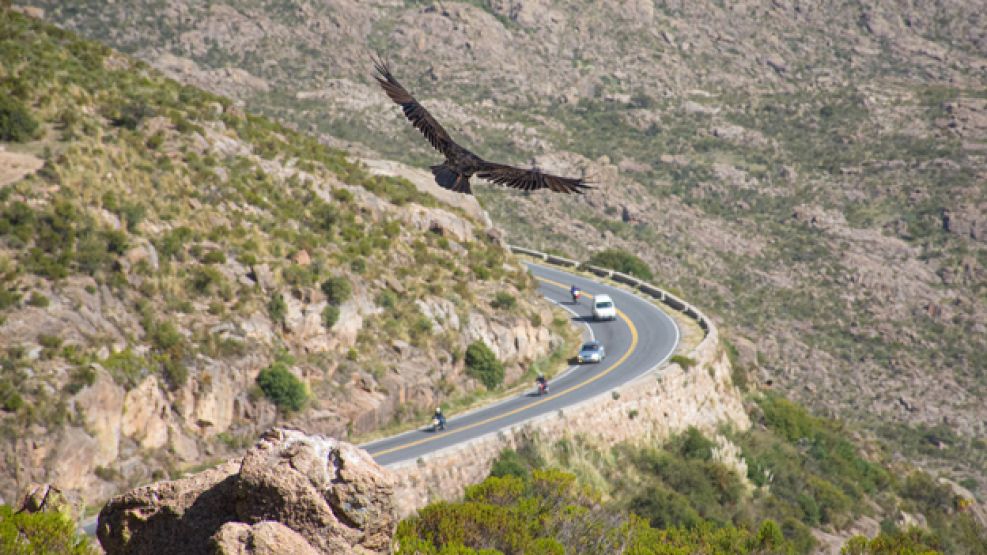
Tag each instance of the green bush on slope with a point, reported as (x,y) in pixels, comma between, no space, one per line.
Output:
(622,261)
(812,466)
(282,387)
(16,123)
(23,533)
(482,364)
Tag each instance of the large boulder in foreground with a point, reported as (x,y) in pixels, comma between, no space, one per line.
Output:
(310,494)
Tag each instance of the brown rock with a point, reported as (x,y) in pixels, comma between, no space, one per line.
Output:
(263,538)
(331,492)
(302,258)
(966,221)
(291,493)
(170,517)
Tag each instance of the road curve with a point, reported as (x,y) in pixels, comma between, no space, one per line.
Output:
(642,337)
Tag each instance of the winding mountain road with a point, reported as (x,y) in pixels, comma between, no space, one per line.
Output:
(642,337)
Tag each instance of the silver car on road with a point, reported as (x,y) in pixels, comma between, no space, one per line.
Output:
(591,351)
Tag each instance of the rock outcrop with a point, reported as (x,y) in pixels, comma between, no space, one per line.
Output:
(290,493)
(38,498)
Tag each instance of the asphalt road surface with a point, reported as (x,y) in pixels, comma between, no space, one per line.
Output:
(642,337)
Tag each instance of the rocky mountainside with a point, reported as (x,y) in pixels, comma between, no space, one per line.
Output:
(814,174)
(176,275)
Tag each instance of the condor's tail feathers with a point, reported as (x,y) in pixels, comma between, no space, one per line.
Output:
(447,178)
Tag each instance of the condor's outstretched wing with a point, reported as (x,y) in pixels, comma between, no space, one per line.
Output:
(530,179)
(415,112)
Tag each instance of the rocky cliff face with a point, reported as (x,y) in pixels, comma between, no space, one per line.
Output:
(290,493)
(160,248)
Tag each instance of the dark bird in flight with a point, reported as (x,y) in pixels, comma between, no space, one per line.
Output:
(461,164)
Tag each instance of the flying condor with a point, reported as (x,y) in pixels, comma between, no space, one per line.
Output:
(461,164)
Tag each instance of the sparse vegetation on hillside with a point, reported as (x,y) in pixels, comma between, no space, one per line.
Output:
(171,241)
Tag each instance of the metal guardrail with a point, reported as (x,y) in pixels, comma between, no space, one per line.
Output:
(649,289)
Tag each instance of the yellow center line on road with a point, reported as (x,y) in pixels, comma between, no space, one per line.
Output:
(512,412)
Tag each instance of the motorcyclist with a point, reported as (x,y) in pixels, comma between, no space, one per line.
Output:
(439,418)
(575,292)
(542,384)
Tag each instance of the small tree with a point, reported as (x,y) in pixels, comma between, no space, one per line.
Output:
(337,290)
(282,387)
(16,123)
(482,364)
(622,261)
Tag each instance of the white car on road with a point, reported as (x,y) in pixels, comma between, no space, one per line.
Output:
(603,308)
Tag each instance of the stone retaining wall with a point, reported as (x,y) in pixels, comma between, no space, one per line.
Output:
(650,408)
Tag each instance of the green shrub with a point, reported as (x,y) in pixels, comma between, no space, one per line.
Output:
(342,195)
(330,315)
(164,336)
(16,123)
(482,364)
(277,308)
(203,279)
(8,298)
(692,444)
(24,533)
(214,257)
(683,361)
(337,290)
(387,299)
(173,243)
(49,341)
(10,399)
(282,387)
(914,540)
(622,261)
(130,115)
(503,301)
(247,259)
(685,488)
(80,378)
(510,463)
(126,367)
(175,372)
(38,299)
(132,214)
